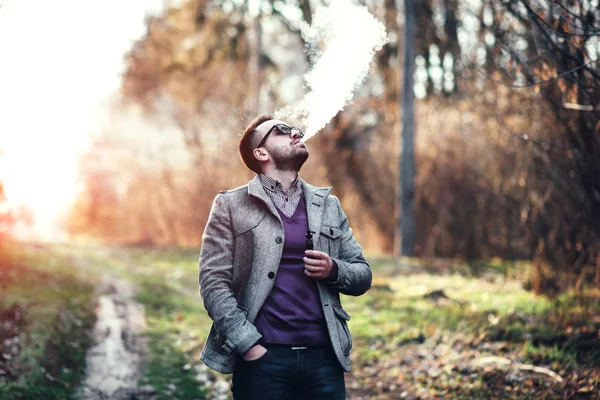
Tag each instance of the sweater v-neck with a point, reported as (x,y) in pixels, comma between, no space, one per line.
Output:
(293,219)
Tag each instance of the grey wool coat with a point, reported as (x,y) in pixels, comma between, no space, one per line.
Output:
(241,250)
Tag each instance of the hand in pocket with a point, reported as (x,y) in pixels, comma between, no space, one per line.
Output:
(255,353)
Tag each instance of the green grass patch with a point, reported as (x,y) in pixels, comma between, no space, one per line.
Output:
(177,325)
(471,306)
(169,370)
(58,303)
(424,332)
(548,355)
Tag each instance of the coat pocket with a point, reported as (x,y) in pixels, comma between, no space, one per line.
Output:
(330,240)
(342,318)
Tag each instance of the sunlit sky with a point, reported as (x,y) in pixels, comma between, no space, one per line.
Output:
(59,61)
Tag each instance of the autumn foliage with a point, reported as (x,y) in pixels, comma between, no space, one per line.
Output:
(507,147)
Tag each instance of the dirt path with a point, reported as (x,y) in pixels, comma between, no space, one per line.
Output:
(115,362)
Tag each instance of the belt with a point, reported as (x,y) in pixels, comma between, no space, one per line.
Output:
(291,347)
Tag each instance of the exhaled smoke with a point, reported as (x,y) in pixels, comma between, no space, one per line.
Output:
(346,37)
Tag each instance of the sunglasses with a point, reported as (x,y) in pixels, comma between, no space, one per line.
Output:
(281,129)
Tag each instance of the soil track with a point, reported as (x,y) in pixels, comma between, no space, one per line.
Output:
(115,362)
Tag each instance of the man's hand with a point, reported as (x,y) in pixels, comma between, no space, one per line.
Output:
(255,353)
(317,264)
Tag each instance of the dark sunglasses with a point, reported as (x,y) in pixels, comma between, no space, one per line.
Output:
(281,129)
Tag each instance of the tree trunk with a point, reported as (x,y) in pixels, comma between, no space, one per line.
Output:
(407,154)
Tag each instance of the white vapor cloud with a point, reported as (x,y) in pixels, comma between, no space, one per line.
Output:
(346,37)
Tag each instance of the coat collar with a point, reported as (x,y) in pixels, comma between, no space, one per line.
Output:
(255,189)
(314,197)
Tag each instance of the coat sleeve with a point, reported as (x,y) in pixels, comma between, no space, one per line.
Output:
(216,272)
(354,272)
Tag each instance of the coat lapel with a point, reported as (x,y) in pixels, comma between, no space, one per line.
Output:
(255,189)
(315,207)
(314,197)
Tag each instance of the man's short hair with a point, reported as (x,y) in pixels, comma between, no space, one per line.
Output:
(248,142)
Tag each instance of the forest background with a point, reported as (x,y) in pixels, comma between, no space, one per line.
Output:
(507,137)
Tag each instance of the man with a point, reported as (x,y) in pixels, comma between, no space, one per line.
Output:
(278,324)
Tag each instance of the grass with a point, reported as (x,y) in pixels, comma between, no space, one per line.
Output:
(427,345)
(487,312)
(401,305)
(419,331)
(61,292)
(59,307)
(176,327)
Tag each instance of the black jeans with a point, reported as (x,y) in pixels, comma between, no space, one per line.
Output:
(283,373)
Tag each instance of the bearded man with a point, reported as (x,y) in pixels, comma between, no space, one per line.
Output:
(276,254)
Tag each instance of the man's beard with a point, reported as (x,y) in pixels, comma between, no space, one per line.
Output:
(288,162)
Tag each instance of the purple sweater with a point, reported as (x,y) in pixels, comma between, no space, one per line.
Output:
(292,313)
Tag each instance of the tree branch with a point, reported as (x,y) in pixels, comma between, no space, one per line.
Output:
(505,362)
(560,49)
(527,85)
(527,138)
(571,13)
(543,21)
(578,107)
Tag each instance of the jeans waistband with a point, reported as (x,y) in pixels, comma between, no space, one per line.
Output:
(293,347)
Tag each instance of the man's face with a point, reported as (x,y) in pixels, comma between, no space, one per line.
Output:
(286,151)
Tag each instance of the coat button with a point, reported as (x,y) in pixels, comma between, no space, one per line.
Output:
(271,275)
(278,240)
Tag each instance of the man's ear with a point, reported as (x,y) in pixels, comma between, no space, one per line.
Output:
(260,154)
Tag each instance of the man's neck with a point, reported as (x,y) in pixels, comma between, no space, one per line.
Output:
(287,178)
